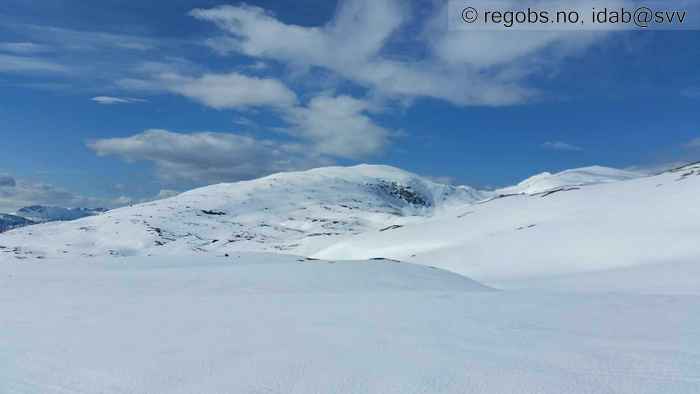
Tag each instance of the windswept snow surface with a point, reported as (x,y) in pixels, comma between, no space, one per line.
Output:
(288,212)
(256,323)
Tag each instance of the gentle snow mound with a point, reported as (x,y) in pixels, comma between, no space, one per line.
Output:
(575,177)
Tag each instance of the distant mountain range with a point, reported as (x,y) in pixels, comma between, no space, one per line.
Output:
(9,222)
(41,214)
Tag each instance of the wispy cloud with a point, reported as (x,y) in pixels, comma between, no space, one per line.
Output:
(109,100)
(561,146)
(22,48)
(58,37)
(31,65)
(88,60)
(464,68)
(693,144)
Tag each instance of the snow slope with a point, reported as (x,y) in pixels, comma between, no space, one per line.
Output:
(567,179)
(650,220)
(281,324)
(289,212)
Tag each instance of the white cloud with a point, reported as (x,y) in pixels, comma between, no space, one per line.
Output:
(338,126)
(461,67)
(83,39)
(22,48)
(561,146)
(18,193)
(91,59)
(335,126)
(109,100)
(207,157)
(23,64)
(493,49)
(693,144)
(233,90)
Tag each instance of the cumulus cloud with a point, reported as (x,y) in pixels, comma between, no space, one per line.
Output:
(465,68)
(208,157)
(232,90)
(109,100)
(561,146)
(338,126)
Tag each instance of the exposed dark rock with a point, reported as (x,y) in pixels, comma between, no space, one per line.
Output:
(212,212)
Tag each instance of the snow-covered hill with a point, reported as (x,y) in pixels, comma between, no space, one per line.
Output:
(545,182)
(581,220)
(289,212)
(648,220)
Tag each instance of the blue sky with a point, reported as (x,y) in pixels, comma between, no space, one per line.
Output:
(108,102)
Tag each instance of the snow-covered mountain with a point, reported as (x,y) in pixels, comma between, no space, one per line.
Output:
(9,222)
(34,214)
(293,212)
(579,220)
(614,224)
(41,213)
(545,182)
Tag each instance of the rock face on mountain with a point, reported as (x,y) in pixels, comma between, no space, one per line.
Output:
(288,212)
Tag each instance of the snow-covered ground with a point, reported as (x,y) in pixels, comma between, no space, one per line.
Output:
(585,281)
(280,324)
